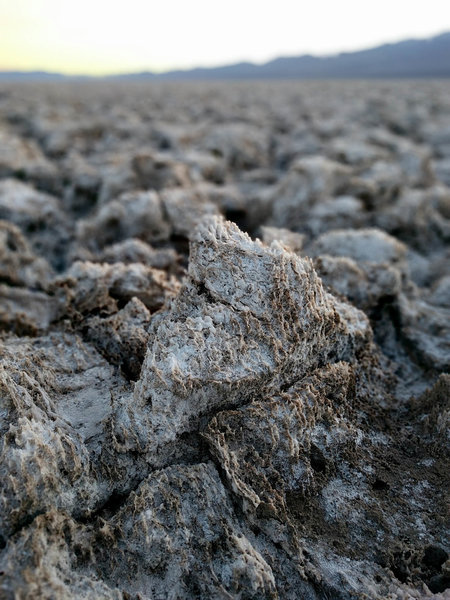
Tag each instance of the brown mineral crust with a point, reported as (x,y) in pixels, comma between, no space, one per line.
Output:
(328,490)
(265,448)
(53,406)
(42,561)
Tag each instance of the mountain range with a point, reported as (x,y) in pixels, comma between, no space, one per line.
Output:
(414,58)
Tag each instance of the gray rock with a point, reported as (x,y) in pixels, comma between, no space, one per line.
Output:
(134,250)
(177,522)
(27,312)
(24,159)
(241,145)
(365,285)
(308,181)
(18,264)
(39,216)
(92,287)
(427,331)
(158,171)
(248,320)
(421,218)
(55,396)
(365,246)
(442,170)
(293,242)
(185,209)
(440,292)
(134,214)
(42,562)
(122,338)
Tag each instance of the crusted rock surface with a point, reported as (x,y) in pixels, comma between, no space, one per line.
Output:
(224,337)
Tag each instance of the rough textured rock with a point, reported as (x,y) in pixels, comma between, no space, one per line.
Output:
(136,251)
(178,521)
(427,330)
(365,285)
(185,209)
(40,218)
(122,338)
(42,561)
(248,320)
(328,487)
(26,312)
(53,403)
(188,412)
(81,193)
(159,171)
(24,159)
(419,217)
(365,245)
(93,287)
(291,241)
(308,181)
(18,264)
(134,214)
(242,146)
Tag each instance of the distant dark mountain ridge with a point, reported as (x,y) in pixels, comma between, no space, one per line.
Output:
(407,59)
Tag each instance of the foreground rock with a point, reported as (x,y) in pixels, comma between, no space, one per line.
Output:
(248,322)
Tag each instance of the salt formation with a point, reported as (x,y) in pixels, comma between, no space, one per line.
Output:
(248,321)
(224,335)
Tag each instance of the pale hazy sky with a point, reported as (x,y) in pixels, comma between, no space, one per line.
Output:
(107,36)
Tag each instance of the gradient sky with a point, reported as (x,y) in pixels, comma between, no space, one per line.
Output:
(106,36)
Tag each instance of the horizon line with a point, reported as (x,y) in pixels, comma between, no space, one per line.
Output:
(148,71)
